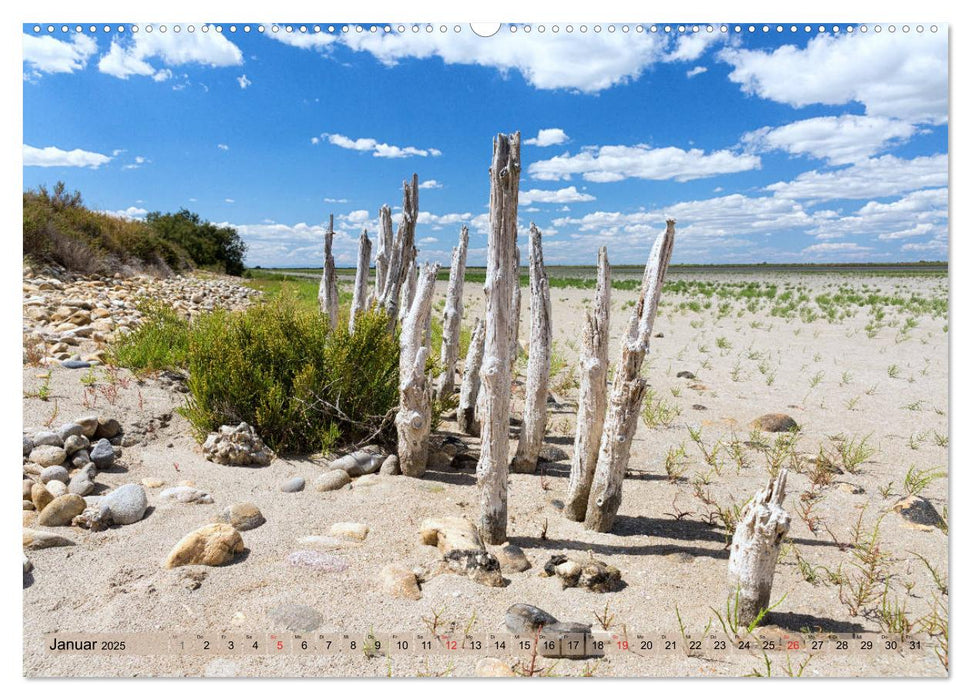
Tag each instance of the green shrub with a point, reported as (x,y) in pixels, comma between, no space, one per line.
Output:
(303,388)
(161,342)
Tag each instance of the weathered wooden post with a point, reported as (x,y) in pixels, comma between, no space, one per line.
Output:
(327,294)
(755,549)
(414,413)
(592,401)
(403,252)
(385,243)
(538,368)
(469,393)
(627,392)
(514,318)
(408,287)
(493,468)
(452,319)
(359,300)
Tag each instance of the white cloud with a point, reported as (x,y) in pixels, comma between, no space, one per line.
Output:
(427,240)
(690,46)
(132,57)
(243,81)
(137,163)
(430,185)
(902,76)
(303,40)
(547,137)
(697,70)
(566,194)
(848,138)
(332,200)
(131,213)
(615,163)
(222,147)
(920,213)
(378,150)
(229,200)
(586,62)
(885,176)
(51,157)
(439,221)
(824,248)
(45,54)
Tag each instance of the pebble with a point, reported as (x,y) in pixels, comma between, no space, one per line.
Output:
(512,559)
(61,511)
(237,446)
(102,454)
(490,667)
(211,545)
(107,428)
(185,494)
(526,619)
(40,496)
(367,460)
(28,445)
(47,437)
(126,504)
(89,425)
(242,516)
(317,561)
(919,513)
(293,485)
(350,531)
(332,480)
(81,459)
(75,364)
(68,430)
(40,539)
(57,488)
(82,483)
(552,453)
(775,423)
(295,617)
(390,466)
(399,582)
(48,455)
(75,443)
(55,473)
(685,374)
(151,483)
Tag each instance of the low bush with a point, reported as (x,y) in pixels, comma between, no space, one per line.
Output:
(162,342)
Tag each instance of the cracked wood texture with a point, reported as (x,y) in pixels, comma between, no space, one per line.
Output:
(469,392)
(492,471)
(452,319)
(327,294)
(414,412)
(403,253)
(385,244)
(359,300)
(538,367)
(627,393)
(755,550)
(592,400)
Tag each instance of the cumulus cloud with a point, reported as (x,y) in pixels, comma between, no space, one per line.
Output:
(222,146)
(561,196)
(697,70)
(920,213)
(615,163)
(547,137)
(843,248)
(134,56)
(53,157)
(898,76)
(243,81)
(333,200)
(131,213)
(885,176)
(138,162)
(377,149)
(45,54)
(848,138)
(430,185)
(691,45)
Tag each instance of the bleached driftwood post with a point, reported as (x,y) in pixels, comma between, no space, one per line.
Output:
(359,299)
(492,471)
(538,369)
(408,288)
(452,320)
(627,393)
(415,412)
(327,294)
(469,393)
(402,253)
(592,401)
(514,318)
(755,549)
(385,243)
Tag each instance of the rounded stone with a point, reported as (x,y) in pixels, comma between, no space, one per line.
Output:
(47,437)
(70,429)
(75,443)
(40,496)
(126,504)
(350,531)
(107,428)
(48,455)
(102,454)
(332,480)
(55,473)
(211,545)
(293,485)
(57,488)
(775,423)
(242,516)
(89,425)
(61,511)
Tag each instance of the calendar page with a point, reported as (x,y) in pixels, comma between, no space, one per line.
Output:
(434,350)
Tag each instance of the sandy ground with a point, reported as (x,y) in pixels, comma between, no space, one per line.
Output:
(672,561)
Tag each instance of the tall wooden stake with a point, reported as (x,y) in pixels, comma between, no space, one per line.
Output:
(385,244)
(514,319)
(592,401)
(493,468)
(627,393)
(403,252)
(327,294)
(414,413)
(359,300)
(755,550)
(469,393)
(538,368)
(452,320)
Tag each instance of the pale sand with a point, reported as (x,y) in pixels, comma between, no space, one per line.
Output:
(113,580)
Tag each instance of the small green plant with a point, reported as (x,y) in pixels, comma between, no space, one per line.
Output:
(657,411)
(893,371)
(917,480)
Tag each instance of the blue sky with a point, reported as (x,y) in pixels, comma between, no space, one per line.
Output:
(765,146)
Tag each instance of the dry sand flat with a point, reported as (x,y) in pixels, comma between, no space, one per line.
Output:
(830,377)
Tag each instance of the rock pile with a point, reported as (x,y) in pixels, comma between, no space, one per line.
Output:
(589,573)
(70,320)
(237,446)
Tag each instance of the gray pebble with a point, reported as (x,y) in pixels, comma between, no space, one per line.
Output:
(102,454)
(55,473)
(46,437)
(69,429)
(332,480)
(73,443)
(75,364)
(127,504)
(293,485)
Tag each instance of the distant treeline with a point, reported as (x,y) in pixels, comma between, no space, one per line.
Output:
(59,229)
